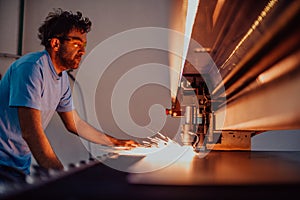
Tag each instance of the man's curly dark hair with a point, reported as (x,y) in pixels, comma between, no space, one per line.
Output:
(59,23)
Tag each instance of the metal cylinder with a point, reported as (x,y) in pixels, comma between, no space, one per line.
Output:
(211,128)
(186,137)
(188,114)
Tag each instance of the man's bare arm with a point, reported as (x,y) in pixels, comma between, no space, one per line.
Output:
(76,125)
(34,135)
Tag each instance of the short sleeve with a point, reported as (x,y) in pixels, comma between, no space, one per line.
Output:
(26,86)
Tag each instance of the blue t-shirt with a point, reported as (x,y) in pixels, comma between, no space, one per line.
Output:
(30,81)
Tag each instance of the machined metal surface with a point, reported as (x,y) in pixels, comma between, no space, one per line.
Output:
(228,168)
(218,175)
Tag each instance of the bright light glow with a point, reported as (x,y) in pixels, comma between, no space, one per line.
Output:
(165,172)
(191,14)
(183,21)
(165,157)
(283,67)
(254,26)
(157,154)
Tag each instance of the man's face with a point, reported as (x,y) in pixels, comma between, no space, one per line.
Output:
(72,49)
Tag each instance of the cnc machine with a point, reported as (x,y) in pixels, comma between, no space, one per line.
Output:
(240,77)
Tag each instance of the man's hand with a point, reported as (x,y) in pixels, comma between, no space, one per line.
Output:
(125,143)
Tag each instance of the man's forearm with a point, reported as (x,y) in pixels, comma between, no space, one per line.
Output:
(42,150)
(76,125)
(88,132)
(34,135)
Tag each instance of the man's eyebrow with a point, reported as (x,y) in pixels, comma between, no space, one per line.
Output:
(75,38)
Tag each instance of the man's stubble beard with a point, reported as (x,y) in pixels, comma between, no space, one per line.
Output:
(65,59)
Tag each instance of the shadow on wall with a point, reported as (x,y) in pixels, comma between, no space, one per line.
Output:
(69,148)
(279,140)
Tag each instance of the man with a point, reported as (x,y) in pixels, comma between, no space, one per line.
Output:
(35,86)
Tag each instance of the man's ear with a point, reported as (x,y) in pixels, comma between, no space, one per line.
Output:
(55,43)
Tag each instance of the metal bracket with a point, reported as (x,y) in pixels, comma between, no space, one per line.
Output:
(232,140)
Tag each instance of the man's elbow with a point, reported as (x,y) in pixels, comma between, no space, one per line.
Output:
(72,129)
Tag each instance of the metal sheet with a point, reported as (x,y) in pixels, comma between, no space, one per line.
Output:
(228,168)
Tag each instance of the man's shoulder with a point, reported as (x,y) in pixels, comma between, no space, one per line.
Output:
(32,57)
(30,60)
